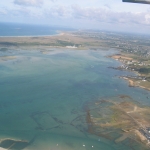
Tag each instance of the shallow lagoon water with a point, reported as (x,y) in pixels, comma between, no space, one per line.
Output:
(43,97)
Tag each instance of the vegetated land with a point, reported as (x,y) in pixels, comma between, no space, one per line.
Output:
(63,40)
(121,120)
(133,50)
(139,63)
(134,53)
(83,39)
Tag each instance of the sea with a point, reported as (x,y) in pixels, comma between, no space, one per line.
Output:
(43,95)
(18,29)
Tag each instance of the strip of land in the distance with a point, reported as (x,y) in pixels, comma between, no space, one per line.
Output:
(133,50)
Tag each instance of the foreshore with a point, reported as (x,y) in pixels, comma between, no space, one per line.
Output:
(131,83)
(124,117)
(134,81)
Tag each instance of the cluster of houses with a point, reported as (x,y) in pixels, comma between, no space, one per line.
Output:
(145,133)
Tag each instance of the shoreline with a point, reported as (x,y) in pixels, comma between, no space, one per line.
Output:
(26,36)
(131,82)
(125,118)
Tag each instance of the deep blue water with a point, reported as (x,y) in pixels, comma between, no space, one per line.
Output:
(14,29)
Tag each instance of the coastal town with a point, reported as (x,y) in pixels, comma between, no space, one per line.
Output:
(135,64)
(133,53)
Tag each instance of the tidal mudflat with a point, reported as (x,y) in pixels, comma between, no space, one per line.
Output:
(45,96)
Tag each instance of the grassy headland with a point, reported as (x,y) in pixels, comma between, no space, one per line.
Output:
(120,119)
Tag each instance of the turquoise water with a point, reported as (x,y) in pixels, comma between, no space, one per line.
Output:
(43,97)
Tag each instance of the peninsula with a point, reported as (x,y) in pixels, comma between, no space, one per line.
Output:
(120,119)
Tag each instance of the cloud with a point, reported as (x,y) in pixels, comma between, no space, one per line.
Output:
(79,13)
(147,18)
(107,6)
(29,2)
(99,15)
(109,16)
(60,11)
(3,11)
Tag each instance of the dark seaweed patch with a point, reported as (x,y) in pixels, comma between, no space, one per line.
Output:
(12,144)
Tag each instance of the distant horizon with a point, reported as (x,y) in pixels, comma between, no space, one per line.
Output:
(73,28)
(90,14)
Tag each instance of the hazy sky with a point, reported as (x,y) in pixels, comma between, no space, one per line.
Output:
(93,14)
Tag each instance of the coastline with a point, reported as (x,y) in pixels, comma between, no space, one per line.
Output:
(58,33)
(63,39)
(126,118)
(132,81)
(89,86)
